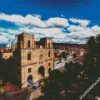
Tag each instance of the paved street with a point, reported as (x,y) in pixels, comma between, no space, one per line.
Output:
(35,94)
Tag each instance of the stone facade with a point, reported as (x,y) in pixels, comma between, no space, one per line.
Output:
(33,63)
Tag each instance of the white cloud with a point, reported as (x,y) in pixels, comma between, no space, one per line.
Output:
(13,32)
(96,28)
(34,20)
(47,32)
(81,22)
(81,34)
(74,28)
(3,39)
(60,22)
(21,20)
(59,28)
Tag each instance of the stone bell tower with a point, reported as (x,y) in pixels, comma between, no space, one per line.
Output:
(23,52)
(26,41)
(46,43)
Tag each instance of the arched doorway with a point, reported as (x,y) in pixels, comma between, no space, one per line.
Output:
(41,71)
(30,79)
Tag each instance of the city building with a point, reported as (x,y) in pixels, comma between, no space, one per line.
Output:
(6,53)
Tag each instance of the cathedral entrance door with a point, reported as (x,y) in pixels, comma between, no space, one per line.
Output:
(30,79)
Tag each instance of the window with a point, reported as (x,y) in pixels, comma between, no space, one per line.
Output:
(29,70)
(28,43)
(41,59)
(49,54)
(29,56)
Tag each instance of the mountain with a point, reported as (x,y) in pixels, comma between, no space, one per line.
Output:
(3,44)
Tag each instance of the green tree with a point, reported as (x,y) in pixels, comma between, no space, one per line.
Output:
(92,63)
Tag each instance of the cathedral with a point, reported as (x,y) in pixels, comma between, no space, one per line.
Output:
(34,60)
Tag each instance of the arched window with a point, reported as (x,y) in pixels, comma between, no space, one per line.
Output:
(48,45)
(41,59)
(41,56)
(41,71)
(29,56)
(29,70)
(28,43)
(49,54)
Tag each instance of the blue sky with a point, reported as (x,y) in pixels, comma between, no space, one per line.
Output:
(73,14)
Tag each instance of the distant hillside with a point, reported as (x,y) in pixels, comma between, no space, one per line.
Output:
(3,44)
(66,44)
